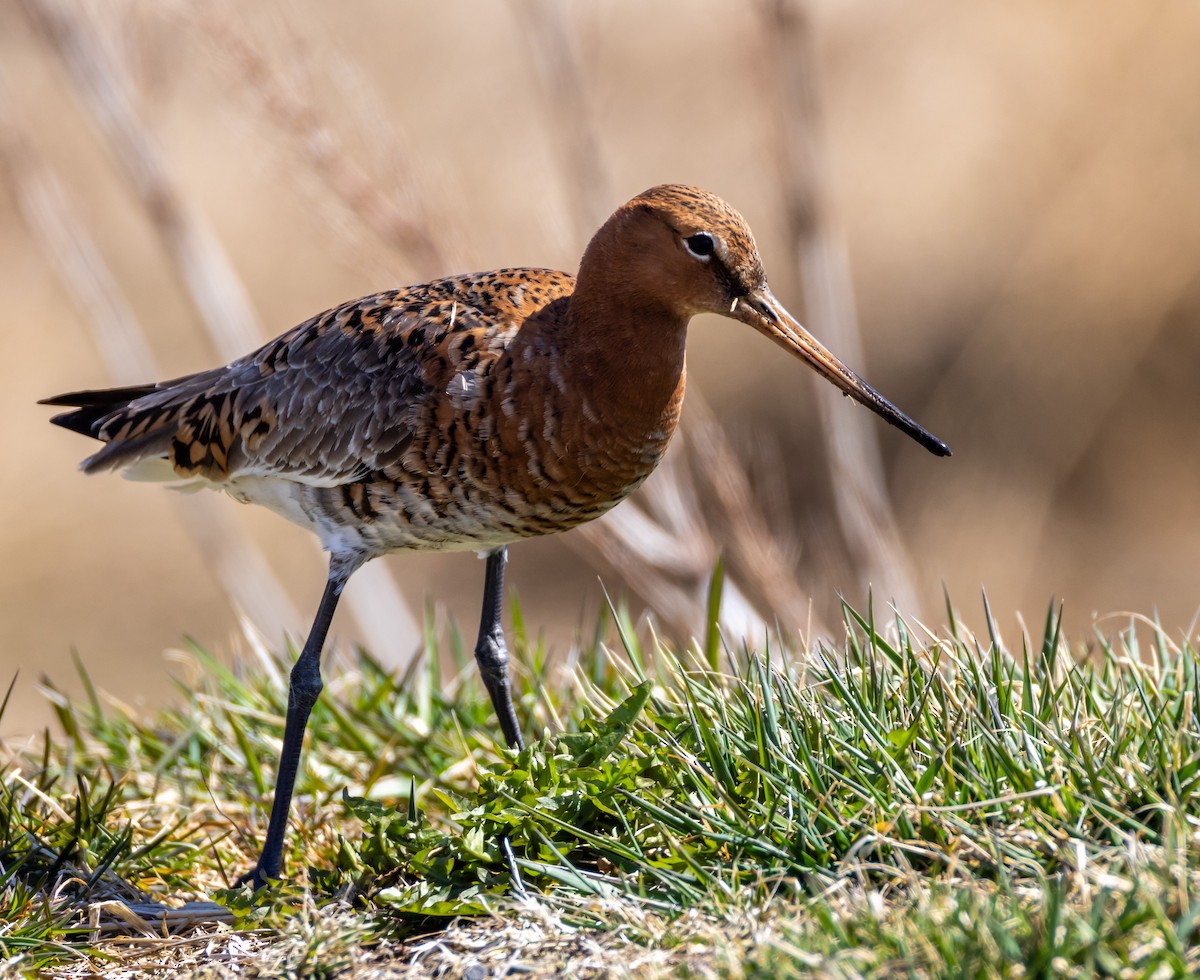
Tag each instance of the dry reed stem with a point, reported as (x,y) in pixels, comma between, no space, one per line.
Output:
(239,565)
(105,90)
(861,497)
(756,556)
(398,216)
(675,586)
(673,580)
(85,47)
(660,544)
(646,551)
(554,49)
(153,921)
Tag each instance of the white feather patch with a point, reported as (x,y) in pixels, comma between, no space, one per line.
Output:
(158,469)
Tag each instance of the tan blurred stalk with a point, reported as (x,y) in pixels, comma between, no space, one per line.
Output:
(395,212)
(660,541)
(105,89)
(554,53)
(864,510)
(239,566)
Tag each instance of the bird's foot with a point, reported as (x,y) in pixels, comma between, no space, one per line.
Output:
(254,877)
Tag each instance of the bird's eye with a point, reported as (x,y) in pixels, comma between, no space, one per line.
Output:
(700,244)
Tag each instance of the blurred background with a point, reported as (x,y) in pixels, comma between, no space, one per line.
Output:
(991,210)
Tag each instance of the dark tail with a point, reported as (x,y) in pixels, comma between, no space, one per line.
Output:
(93,407)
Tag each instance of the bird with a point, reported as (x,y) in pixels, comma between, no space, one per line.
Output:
(466,413)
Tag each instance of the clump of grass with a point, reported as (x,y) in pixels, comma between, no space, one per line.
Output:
(904,802)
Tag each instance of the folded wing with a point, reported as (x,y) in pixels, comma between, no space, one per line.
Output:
(326,403)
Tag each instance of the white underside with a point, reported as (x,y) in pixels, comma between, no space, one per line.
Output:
(307,504)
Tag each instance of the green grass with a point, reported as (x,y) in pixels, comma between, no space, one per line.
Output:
(905,804)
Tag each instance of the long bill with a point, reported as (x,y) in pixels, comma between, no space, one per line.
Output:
(767,315)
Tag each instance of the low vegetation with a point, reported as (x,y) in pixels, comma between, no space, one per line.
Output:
(905,804)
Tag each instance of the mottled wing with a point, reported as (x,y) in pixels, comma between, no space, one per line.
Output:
(331,400)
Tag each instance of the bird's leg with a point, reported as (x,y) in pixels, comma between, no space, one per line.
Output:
(490,651)
(303,690)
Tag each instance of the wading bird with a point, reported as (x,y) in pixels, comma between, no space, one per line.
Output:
(462,414)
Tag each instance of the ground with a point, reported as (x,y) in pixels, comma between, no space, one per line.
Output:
(904,805)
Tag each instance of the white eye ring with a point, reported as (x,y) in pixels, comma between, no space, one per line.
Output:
(701,245)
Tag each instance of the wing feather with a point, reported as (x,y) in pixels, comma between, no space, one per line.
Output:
(331,400)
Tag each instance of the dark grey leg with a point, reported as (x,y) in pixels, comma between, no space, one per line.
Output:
(303,691)
(490,651)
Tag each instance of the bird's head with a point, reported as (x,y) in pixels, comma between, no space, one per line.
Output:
(684,251)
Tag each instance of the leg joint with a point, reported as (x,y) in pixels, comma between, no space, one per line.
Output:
(491,655)
(306,684)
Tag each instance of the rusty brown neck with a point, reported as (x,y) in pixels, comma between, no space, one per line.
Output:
(601,379)
(623,344)
(627,359)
